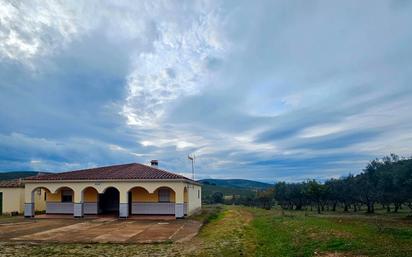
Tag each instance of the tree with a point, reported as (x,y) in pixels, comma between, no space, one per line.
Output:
(265,198)
(387,181)
(317,193)
(217,197)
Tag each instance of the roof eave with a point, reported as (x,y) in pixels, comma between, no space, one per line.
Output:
(110,180)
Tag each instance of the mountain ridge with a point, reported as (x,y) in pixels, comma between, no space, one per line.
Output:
(9,175)
(237,183)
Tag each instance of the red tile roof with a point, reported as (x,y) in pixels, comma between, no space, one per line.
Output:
(124,171)
(15,183)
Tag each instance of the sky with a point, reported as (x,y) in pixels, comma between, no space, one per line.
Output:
(262,90)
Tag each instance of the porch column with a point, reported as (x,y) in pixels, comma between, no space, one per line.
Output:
(78,205)
(28,203)
(179,203)
(123,204)
(28,210)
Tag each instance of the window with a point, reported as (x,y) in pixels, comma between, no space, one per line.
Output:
(164,195)
(67,196)
(198,194)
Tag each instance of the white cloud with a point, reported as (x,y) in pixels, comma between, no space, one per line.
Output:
(32,28)
(176,65)
(321,130)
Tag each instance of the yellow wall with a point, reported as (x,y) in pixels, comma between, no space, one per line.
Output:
(186,196)
(39,202)
(141,195)
(53,197)
(56,196)
(90,195)
(195,198)
(13,200)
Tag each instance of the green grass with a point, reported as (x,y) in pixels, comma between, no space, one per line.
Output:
(209,213)
(296,234)
(242,231)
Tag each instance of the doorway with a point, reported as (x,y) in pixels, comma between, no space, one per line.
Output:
(109,201)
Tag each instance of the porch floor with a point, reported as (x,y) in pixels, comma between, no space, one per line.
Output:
(106,216)
(101,229)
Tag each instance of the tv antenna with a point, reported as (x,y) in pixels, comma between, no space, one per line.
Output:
(193,164)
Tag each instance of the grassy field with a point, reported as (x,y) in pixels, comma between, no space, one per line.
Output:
(241,231)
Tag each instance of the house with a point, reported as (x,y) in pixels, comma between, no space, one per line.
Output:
(128,189)
(12,197)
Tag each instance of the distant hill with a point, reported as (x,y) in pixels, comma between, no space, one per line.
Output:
(209,190)
(236,183)
(17,174)
(229,187)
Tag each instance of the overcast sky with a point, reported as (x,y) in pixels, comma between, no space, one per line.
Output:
(263,90)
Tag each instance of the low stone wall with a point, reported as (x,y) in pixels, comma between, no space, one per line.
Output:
(153,208)
(59,208)
(90,208)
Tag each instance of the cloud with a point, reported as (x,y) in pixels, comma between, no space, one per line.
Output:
(30,29)
(269,92)
(178,65)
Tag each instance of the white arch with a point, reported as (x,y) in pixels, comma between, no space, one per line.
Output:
(40,187)
(84,189)
(37,188)
(103,190)
(87,187)
(139,186)
(168,187)
(62,187)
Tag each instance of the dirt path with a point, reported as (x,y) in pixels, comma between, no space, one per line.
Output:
(228,236)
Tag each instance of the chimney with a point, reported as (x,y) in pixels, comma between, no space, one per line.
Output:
(154,163)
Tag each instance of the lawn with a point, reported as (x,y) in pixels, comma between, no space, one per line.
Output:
(242,231)
(305,234)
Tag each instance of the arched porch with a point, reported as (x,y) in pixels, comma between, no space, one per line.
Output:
(60,201)
(161,201)
(122,198)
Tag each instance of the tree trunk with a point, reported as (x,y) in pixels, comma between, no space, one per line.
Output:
(370,207)
(396,208)
(334,206)
(318,208)
(346,207)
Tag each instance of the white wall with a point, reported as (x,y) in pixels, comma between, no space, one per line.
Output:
(13,200)
(195,198)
